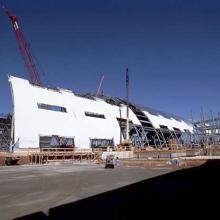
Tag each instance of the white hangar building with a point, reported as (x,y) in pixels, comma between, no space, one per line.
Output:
(48,117)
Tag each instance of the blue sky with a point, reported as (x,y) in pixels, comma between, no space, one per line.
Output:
(171,47)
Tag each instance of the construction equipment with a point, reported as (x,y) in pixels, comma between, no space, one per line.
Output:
(127,140)
(110,163)
(12,160)
(24,49)
(100,88)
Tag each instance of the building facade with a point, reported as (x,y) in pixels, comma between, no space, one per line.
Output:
(48,117)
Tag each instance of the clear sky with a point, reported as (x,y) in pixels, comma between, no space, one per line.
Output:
(171,47)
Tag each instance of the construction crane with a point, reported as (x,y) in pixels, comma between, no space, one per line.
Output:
(127,140)
(24,49)
(100,88)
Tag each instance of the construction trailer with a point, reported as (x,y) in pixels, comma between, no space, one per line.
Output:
(55,117)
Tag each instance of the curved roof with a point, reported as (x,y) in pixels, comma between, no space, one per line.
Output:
(164,114)
(152,111)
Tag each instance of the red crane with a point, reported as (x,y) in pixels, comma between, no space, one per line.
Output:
(24,49)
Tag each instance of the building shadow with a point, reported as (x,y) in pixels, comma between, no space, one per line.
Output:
(184,194)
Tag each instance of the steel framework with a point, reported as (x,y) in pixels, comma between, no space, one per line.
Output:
(206,131)
(145,134)
(5,132)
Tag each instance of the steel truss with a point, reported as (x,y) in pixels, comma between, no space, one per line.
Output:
(206,132)
(146,135)
(5,132)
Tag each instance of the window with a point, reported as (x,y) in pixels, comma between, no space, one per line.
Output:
(45,141)
(163,127)
(60,141)
(176,129)
(51,107)
(94,115)
(101,142)
(56,141)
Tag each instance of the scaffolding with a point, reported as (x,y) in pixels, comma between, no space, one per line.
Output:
(206,131)
(5,132)
(46,155)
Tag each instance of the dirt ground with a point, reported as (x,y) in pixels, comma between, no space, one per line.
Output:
(149,164)
(27,189)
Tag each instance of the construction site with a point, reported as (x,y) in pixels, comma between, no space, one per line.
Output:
(124,123)
(60,136)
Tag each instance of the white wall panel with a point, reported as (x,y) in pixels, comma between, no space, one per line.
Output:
(30,122)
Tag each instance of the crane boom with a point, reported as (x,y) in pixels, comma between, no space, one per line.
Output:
(100,89)
(24,49)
